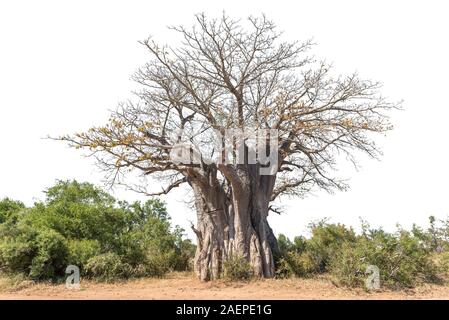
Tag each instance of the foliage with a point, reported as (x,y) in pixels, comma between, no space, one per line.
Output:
(51,255)
(80,211)
(325,241)
(80,251)
(285,245)
(107,267)
(17,248)
(303,257)
(9,209)
(296,264)
(436,237)
(81,224)
(38,253)
(237,268)
(185,252)
(404,258)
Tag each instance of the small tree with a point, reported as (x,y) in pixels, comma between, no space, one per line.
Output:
(221,77)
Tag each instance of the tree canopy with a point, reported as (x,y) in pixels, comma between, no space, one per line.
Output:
(225,76)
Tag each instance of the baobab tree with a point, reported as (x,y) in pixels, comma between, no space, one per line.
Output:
(227,74)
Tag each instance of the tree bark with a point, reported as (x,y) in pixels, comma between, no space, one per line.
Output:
(232,221)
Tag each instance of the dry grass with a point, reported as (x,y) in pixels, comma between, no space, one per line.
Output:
(14,283)
(186,286)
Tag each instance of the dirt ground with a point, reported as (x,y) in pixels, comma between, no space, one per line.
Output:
(186,286)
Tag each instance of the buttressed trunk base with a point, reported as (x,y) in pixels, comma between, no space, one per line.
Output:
(232,224)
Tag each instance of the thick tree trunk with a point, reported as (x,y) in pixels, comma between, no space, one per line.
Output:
(233,223)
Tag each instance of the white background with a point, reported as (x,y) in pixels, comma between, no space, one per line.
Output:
(64,64)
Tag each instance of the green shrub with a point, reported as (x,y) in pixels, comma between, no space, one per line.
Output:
(403,260)
(80,221)
(304,257)
(283,269)
(326,240)
(50,260)
(184,251)
(9,209)
(348,266)
(158,264)
(237,268)
(285,245)
(80,251)
(16,254)
(107,267)
(296,264)
(37,253)
(80,224)
(75,192)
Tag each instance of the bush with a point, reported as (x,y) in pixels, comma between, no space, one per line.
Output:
(158,263)
(80,251)
(80,224)
(402,259)
(107,267)
(9,209)
(154,250)
(348,266)
(296,264)
(237,268)
(16,254)
(304,257)
(80,221)
(325,241)
(50,260)
(184,251)
(37,253)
